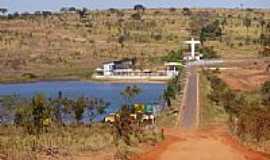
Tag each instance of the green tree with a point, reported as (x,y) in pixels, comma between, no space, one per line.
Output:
(34,116)
(129,93)
(78,108)
(169,94)
(173,56)
(172,89)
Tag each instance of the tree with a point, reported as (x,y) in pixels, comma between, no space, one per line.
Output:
(265,91)
(262,23)
(72,9)
(186,12)
(139,7)
(172,89)
(212,30)
(223,22)
(41,113)
(203,36)
(82,12)
(130,92)
(79,107)
(265,39)
(173,56)
(3,10)
(169,94)
(247,23)
(63,9)
(34,116)
(46,13)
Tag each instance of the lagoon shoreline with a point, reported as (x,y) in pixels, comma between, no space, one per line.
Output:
(74,78)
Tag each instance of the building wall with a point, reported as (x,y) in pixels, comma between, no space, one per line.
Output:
(108,69)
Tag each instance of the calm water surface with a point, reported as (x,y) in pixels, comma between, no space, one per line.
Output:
(109,92)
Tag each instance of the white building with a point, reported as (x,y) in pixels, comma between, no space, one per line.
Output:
(125,69)
(172,68)
(116,67)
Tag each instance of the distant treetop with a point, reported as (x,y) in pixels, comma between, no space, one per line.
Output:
(139,7)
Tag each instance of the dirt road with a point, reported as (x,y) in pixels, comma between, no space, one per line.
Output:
(192,143)
(213,143)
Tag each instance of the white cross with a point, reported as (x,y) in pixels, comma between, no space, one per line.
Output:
(192,43)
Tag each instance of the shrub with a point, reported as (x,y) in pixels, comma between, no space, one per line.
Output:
(265,91)
(173,56)
(186,12)
(252,118)
(208,52)
(136,16)
(212,31)
(265,52)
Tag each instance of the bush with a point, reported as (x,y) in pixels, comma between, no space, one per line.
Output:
(173,88)
(173,56)
(212,31)
(251,114)
(265,52)
(186,12)
(265,91)
(136,16)
(209,52)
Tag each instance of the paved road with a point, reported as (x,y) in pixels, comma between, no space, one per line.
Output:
(190,104)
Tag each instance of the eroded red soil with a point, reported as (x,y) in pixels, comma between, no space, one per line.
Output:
(214,143)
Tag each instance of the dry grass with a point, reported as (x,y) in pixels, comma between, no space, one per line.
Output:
(57,143)
(246,78)
(41,45)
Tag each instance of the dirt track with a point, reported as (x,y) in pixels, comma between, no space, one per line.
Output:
(213,143)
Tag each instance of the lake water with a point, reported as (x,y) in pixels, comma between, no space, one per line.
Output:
(109,92)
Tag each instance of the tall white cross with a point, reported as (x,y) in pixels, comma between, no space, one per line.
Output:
(192,43)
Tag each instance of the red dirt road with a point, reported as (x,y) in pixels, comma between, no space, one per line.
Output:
(203,144)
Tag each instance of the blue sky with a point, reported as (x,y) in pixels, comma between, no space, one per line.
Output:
(32,5)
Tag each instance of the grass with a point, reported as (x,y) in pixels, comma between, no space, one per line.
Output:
(61,142)
(209,111)
(64,44)
(69,141)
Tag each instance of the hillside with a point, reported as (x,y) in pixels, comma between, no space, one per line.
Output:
(68,44)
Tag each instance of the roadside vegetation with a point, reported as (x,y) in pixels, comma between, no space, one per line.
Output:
(247,113)
(170,117)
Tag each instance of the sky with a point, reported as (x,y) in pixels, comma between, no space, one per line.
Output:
(55,5)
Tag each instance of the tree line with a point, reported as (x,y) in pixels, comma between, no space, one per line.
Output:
(38,114)
(249,113)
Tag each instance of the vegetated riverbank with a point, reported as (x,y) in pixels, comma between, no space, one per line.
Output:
(38,131)
(246,113)
(37,134)
(75,77)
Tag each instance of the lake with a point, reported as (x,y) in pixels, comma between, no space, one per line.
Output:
(109,92)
